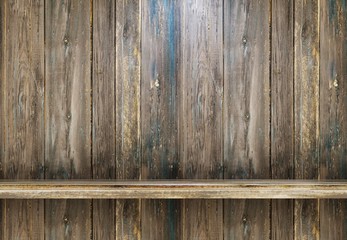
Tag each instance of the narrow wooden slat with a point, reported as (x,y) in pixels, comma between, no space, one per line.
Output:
(104,159)
(160,49)
(282,115)
(246,112)
(333,112)
(306,111)
(2,107)
(22,127)
(128,165)
(67,113)
(200,95)
(174,189)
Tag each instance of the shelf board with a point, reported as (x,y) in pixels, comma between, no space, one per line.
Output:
(173,189)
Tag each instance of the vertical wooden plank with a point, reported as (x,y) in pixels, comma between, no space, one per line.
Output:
(200,112)
(22,88)
(333,112)
(2,108)
(306,110)
(104,132)
(160,49)
(246,112)
(68,113)
(282,115)
(128,43)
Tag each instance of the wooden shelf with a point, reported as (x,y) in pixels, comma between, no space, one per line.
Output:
(173,189)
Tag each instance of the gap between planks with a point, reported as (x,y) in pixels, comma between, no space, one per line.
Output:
(173,189)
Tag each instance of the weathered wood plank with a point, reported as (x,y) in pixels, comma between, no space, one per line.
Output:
(128,47)
(104,120)
(160,49)
(175,189)
(2,107)
(282,114)
(22,127)
(160,41)
(68,113)
(246,112)
(200,94)
(306,112)
(333,112)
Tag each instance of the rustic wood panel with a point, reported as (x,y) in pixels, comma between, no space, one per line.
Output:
(333,112)
(128,148)
(306,111)
(22,128)
(200,112)
(226,89)
(282,115)
(67,113)
(160,49)
(103,115)
(246,112)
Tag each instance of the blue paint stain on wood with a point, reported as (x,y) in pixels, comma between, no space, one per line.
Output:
(154,16)
(332,10)
(164,162)
(154,70)
(171,219)
(332,145)
(160,153)
(332,70)
(343,170)
(62,173)
(344,3)
(171,54)
(153,10)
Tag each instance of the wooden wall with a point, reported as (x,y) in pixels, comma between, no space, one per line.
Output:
(173,89)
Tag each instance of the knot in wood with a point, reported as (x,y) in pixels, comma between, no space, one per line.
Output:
(66,41)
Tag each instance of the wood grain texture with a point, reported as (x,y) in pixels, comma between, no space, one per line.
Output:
(128,148)
(306,112)
(200,112)
(104,120)
(246,112)
(160,49)
(175,189)
(333,112)
(22,128)
(67,113)
(2,107)
(168,89)
(282,115)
